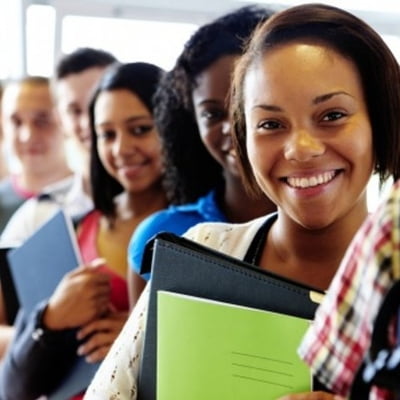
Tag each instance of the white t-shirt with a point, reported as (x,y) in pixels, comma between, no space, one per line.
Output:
(67,194)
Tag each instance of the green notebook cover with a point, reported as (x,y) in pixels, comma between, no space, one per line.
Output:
(213,350)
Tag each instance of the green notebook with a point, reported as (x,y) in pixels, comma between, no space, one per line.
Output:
(213,350)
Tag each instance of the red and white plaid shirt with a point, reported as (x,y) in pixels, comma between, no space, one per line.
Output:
(339,338)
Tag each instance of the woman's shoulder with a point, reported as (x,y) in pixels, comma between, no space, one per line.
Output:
(178,218)
(229,238)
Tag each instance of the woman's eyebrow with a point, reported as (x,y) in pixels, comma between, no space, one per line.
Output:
(328,96)
(268,107)
(316,100)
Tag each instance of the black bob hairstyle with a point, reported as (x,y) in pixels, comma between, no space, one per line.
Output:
(353,39)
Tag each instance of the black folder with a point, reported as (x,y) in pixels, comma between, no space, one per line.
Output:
(183,266)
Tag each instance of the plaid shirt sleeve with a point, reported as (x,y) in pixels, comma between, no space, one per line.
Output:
(336,343)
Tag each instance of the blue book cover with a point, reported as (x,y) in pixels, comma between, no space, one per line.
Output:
(37,266)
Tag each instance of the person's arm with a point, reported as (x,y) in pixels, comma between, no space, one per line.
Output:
(45,343)
(144,232)
(136,284)
(336,343)
(6,336)
(6,331)
(37,359)
(117,375)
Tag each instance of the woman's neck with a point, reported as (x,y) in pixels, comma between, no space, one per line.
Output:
(311,256)
(140,205)
(239,206)
(36,182)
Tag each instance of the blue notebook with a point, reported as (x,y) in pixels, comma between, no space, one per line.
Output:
(37,266)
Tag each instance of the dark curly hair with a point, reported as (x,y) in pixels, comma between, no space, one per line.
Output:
(141,79)
(352,38)
(190,170)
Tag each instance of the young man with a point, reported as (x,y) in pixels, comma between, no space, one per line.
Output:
(76,77)
(37,143)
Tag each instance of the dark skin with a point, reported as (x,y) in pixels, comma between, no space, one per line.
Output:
(212,115)
(310,147)
(211,108)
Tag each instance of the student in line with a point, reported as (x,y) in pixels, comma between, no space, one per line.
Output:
(76,76)
(191,110)
(340,337)
(90,305)
(316,99)
(36,141)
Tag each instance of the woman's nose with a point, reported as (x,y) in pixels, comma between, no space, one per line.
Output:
(226,127)
(26,133)
(124,144)
(303,146)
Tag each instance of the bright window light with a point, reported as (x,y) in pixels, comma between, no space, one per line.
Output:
(40,30)
(360,5)
(129,40)
(394,44)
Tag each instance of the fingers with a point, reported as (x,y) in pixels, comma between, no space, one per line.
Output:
(98,354)
(81,296)
(94,264)
(97,262)
(100,336)
(97,346)
(95,326)
(113,323)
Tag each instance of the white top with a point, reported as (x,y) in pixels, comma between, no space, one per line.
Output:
(117,375)
(67,194)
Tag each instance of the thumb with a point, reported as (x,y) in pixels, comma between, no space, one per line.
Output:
(97,262)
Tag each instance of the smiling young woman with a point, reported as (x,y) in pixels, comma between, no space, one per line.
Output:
(315,105)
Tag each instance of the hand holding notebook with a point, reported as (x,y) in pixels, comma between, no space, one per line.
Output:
(38,266)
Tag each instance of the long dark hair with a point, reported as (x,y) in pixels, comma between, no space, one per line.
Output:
(190,170)
(141,79)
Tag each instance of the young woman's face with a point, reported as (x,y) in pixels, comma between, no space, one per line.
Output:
(309,138)
(210,99)
(127,140)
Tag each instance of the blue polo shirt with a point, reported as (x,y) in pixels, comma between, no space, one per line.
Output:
(174,219)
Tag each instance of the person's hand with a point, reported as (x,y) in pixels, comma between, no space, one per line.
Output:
(100,335)
(312,396)
(81,296)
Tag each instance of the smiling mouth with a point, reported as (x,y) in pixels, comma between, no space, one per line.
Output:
(311,181)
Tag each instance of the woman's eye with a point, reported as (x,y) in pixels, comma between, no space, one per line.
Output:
(269,125)
(213,115)
(106,135)
(140,130)
(333,116)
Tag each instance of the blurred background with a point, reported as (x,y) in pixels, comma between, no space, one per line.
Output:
(33,33)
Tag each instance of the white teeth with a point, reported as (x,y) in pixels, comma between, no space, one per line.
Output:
(311,181)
